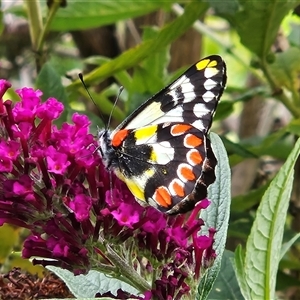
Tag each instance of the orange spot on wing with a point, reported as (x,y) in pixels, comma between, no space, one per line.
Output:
(162,197)
(187,173)
(178,188)
(193,141)
(180,128)
(119,137)
(195,157)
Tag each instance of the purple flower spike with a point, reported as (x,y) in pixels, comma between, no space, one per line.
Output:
(81,217)
(125,216)
(51,109)
(57,162)
(81,206)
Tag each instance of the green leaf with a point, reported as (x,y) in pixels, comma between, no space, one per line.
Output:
(263,249)
(240,225)
(144,81)
(237,149)
(133,56)
(294,127)
(49,82)
(90,14)
(122,77)
(94,282)
(225,108)
(286,246)
(239,271)
(257,22)
(286,68)
(226,286)
(102,101)
(285,281)
(1,21)
(157,63)
(244,202)
(217,214)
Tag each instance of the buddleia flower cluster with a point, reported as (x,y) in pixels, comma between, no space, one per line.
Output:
(80,217)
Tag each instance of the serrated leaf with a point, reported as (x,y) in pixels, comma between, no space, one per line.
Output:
(263,245)
(286,68)
(217,214)
(90,14)
(257,22)
(144,80)
(135,55)
(92,283)
(226,286)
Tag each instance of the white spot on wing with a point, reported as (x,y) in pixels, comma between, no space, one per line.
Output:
(210,72)
(173,116)
(187,87)
(208,96)
(200,110)
(179,82)
(209,84)
(164,153)
(172,93)
(199,125)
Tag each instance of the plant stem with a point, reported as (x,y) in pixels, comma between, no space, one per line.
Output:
(128,273)
(38,32)
(35,21)
(50,16)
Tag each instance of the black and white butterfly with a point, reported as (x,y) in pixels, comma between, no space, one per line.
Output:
(161,151)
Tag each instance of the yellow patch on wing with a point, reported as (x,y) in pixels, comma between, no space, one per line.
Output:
(153,156)
(143,134)
(136,185)
(206,63)
(135,189)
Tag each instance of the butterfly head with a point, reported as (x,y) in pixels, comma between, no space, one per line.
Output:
(105,148)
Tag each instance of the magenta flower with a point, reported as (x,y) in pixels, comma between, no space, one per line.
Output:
(53,183)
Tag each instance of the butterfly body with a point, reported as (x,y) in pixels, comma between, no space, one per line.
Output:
(161,151)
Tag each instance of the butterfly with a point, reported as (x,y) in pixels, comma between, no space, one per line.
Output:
(162,151)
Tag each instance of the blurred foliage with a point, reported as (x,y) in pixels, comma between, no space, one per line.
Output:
(258,40)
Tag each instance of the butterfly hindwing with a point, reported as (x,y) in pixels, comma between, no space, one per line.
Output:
(161,151)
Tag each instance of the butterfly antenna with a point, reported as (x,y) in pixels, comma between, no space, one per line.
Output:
(114,106)
(86,88)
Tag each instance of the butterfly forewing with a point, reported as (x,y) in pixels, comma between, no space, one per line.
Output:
(161,150)
(193,96)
